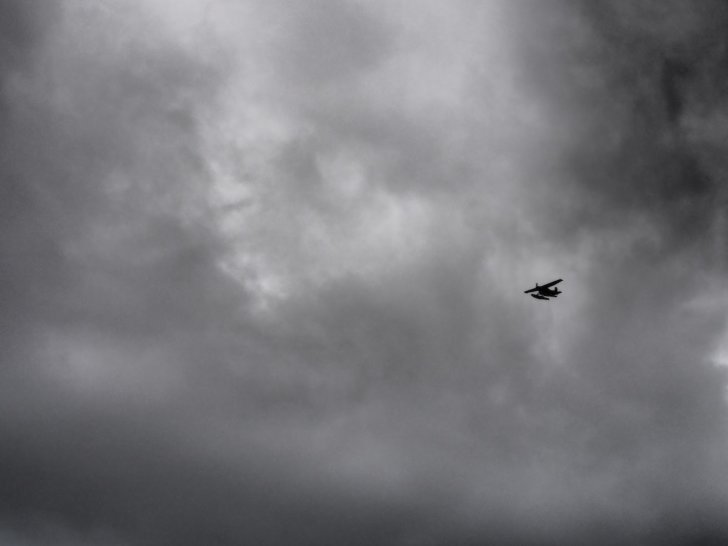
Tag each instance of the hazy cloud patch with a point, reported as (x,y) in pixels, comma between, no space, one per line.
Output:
(264,268)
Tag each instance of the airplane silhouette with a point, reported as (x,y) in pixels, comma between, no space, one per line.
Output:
(545,292)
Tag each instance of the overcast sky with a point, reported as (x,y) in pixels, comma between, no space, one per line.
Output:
(262,266)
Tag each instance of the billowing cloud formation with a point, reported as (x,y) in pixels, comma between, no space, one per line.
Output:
(263,267)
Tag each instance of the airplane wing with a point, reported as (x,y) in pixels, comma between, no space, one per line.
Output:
(532,290)
(552,283)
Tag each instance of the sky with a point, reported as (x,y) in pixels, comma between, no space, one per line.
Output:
(263,265)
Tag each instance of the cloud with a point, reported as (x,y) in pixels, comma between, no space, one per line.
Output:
(264,269)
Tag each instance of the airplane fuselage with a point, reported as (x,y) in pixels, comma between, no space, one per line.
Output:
(549,292)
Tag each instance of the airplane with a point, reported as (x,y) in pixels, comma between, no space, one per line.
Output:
(545,292)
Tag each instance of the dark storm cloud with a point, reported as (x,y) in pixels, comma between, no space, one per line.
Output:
(635,86)
(22,26)
(117,322)
(337,356)
(82,260)
(639,86)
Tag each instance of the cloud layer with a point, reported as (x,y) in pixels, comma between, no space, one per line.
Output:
(263,273)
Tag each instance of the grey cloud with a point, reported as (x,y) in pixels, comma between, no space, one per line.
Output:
(326,41)
(22,27)
(639,77)
(407,397)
